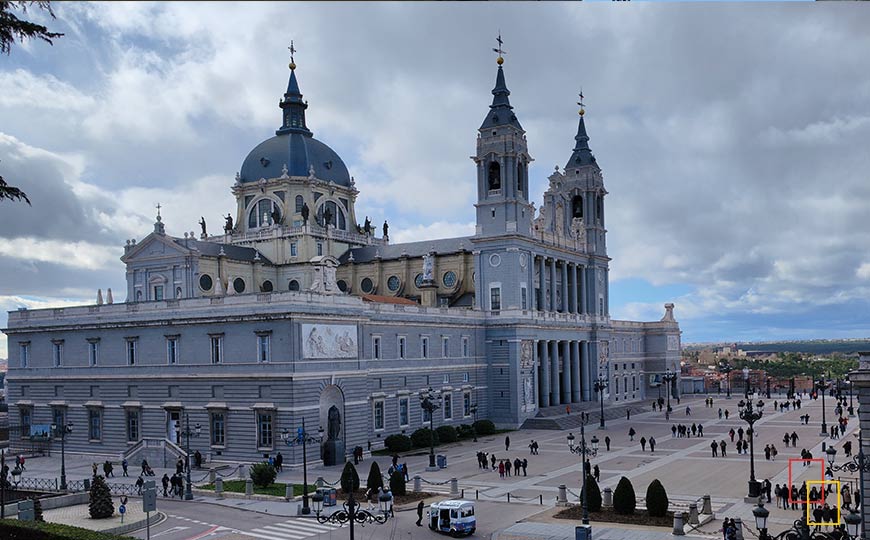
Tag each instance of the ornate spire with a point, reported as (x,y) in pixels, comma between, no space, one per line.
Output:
(582,154)
(501,111)
(292,105)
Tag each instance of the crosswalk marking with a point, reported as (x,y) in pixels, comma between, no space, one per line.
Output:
(291,528)
(263,536)
(281,534)
(315,525)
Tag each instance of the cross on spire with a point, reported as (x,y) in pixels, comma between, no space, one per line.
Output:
(582,106)
(292,49)
(499,50)
(158,209)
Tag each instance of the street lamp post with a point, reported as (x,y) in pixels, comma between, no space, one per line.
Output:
(188,433)
(746,383)
(351,513)
(4,481)
(858,464)
(727,369)
(431,402)
(669,377)
(584,452)
(304,438)
(851,405)
(600,386)
(801,530)
(751,416)
(768,388)
(473,410)
(822,384)
(62,431)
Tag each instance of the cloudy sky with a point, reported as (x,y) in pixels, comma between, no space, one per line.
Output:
(734,138)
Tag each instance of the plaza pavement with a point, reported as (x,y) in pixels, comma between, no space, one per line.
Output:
(684,466)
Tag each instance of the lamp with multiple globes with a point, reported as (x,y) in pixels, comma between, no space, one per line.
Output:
(351,513)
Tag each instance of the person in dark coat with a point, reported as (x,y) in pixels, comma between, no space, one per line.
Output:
(165,482)
(507,443)
(420,514)
(279,462)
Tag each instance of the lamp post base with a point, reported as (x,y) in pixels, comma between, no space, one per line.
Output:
(824,432)
(754,490)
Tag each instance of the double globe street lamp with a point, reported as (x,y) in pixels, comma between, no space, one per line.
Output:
(600,386)
(752,415)
(188,433)
(821,385)
(430,401)
(351,512)
(584,452)
(62,431)
(668,378)
(302,437)
(726,368)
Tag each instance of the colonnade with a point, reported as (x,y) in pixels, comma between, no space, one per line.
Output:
(568,286)
(564,372)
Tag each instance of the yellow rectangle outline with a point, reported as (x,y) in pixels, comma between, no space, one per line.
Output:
(809,506)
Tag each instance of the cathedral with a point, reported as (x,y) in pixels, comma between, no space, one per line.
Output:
(295,312)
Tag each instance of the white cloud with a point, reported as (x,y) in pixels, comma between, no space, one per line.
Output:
(75,254)
(432,231)
(11,303)
(21,88)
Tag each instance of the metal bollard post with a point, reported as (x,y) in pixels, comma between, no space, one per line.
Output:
(706,506)
(219,488)
(454,486)
(509,496)
(678,524)
(249,488)
(418,484)
(541,498)
(738,524)
(241,472)
(211,476)
(288,492)
(693,514)
(562,496)
(607,500)
(462,494)
(476,494)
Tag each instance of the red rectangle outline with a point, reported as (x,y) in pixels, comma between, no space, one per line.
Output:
(801,460)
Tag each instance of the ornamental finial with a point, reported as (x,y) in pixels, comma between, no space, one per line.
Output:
(292,52)
(500,51)
(582,109)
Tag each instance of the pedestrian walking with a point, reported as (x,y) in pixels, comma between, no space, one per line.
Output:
(124,465)
(420,514)
(720,413)
(279,462)
(714,446)
(501,469)
(507,468)
(596,472)
(568,409)
(507,443)
(165,482)
(643,444)
(786,439)
(652,444)
(607,444)
(700,430)
(517,465)
(631,433)
(628,414)
(731,434)
(139,482)
(722,447)
(525,464)
(688,411)
(493,460)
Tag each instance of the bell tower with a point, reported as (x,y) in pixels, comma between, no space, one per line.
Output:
(502,161)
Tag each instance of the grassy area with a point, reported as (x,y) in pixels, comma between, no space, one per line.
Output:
(31,530)
(277,489)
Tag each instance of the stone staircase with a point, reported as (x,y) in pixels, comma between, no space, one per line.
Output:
(554,418)
(159,453)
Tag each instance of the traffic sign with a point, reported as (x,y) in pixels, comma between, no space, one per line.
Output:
(149,500)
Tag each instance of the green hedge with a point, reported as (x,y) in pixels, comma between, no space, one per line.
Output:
(484,427)
(32,530)
(624,499)
(398,443)
(593,499)
(656,499)
(447,434)
(420,438)
(465,431)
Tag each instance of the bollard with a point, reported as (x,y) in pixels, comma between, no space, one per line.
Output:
(739,525)
(211,476)
(693,514)
(454,486)
(241,471)
(288,492)
(509,496)
(476,494)
(678,524)
(219,488)
(418,484)
(462,494)
(607,500)
(249,488)
(319,482)
(541,498)
(562,497)
(707,506)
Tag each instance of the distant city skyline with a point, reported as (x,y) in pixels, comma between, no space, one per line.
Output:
(736,175)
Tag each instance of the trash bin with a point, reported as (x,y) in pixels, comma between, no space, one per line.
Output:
(329,496)
(441,461)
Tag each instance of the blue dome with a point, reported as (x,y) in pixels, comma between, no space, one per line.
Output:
(299,152)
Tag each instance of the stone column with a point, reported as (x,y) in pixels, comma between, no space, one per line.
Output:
(564,286)
(555,394)
(534,292)
(552,284)
(542,273)
(584,303)
(575,372)
(566,371)
(544,371)
(572,288)
(586,370)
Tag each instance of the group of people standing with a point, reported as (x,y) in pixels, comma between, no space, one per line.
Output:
(503,466)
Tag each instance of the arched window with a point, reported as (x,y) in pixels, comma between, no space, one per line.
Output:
(293,286)
(178,292)
(520,184)
(577,206)
(300,202)
(337,218)
(266,286)
(264,213)
(599,208)
(494,178)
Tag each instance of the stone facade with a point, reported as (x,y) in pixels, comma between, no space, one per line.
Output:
(296,309)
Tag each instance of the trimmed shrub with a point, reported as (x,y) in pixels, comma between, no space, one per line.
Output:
(656,499)
(263,474)
(398,443)
(349,478)
(100,505)
(375,480)
(624,499)
(484,427)
(465,431)
(397,483)
(420,438)
(37,509)
(447,434)
(593,498)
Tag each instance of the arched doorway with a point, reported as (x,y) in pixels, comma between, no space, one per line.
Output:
(332,420)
